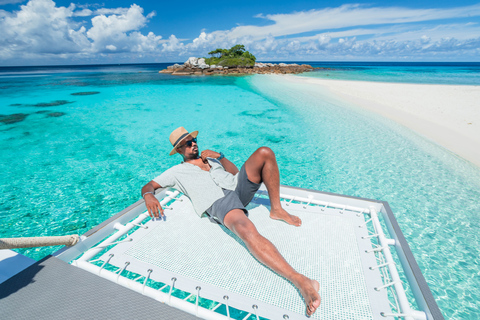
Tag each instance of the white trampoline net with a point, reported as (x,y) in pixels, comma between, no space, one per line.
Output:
(324,248)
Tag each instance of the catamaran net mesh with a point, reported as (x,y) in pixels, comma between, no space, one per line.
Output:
(328,247)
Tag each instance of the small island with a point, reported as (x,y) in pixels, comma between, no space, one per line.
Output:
(235,60)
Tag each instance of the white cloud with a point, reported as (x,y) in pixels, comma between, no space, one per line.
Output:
(40,28)
(388,31)
(117,11)
(266,45)
(346,16)
(173,45)
(460,31)
(114,30)
(83,13)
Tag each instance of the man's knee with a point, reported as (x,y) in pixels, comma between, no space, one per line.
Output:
(240,225)
(266,152)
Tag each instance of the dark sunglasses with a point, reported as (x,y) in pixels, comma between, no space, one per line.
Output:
(189,143)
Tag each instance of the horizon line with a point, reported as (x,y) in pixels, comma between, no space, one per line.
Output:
(266,61)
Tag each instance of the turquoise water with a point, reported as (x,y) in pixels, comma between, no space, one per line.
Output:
(75,160)
(405,72)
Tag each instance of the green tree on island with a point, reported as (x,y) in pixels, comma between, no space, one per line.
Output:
(236,56)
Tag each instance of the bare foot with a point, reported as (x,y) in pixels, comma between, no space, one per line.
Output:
(309,290)
(281,214)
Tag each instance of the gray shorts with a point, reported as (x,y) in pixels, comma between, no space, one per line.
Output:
(238,199)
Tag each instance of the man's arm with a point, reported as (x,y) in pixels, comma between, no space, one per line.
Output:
(227,164)
(153,205)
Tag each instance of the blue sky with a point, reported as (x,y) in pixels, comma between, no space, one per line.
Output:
(46,32)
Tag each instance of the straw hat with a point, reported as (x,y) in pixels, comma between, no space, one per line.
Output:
(177,136)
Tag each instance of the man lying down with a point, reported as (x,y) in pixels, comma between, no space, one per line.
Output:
(216,187)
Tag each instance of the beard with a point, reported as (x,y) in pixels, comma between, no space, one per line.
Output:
(194,154)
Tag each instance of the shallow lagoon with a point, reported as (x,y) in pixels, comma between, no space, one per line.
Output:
(67,173)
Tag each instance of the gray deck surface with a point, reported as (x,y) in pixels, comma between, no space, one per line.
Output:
(53,289)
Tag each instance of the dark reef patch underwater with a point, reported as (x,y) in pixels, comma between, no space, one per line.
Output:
(55,103)
(52,104)
(18,117)
(88,93)
(56,114)
(12,118)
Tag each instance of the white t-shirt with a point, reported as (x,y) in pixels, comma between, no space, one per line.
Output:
(202,187)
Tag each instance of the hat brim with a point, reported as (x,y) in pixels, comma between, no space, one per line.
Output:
(194,134)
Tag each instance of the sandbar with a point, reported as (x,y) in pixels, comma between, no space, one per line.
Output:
(449,115)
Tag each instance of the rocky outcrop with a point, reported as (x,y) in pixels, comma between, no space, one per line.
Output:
(197,66)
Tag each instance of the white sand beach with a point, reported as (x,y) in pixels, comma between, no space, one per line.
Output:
(447,114)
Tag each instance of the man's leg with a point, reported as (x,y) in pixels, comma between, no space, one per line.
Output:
(266,253)
(262,167)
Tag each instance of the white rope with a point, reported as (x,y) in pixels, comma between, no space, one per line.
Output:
(30,242)
(217,306)
(228,308)
(140,225)
(381,265)
(146,279)
(398,315)
(196,301)
(326,206)
(171,289)
(365,223)
(247,316)
(255,307)
(310,198)
(288,203)
(163,287)
(123,269)
(375,250)
(386,286)
(110,256)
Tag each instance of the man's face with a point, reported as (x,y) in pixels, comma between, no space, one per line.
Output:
(188,148)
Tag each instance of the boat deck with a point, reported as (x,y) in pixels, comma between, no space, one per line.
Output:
(52,289)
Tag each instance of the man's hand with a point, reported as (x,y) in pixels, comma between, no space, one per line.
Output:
(209,154)
(153,206)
